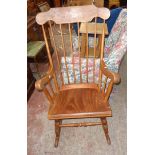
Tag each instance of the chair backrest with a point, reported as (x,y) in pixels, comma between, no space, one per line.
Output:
(64,52)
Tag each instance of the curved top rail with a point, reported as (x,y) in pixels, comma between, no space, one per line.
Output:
(72,14)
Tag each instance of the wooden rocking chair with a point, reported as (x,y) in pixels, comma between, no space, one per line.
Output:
(75,87)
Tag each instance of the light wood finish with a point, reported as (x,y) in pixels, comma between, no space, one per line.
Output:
(78,13)
(75,100)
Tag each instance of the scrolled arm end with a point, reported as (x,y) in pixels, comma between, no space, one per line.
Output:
(40,84)
(116,77)
(112,75)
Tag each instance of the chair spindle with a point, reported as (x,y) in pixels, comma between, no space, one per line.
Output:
(104,86)
(79,52)
(94,62)
(50,58)
(52,38)
(87,50)
(71,46)
(51,88)
(62,39)
(49,97)
(101,56)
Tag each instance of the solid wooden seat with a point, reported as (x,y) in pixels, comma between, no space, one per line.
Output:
(79,103)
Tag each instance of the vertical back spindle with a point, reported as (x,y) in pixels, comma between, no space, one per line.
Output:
(71,46)
(87,50)
(49,97)
(79,52)
(50,58)
(94,64)
(55,49)
(101,55)
(104,86)
(62,39)
(51,88)
(109,89)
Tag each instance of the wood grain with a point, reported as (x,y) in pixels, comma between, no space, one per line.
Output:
(78,86)
(78,103)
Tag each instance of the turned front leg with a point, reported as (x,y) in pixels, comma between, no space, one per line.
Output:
(57,131)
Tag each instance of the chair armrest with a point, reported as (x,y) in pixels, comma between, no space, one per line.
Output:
(115,79)
(114,76)
(41,83)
